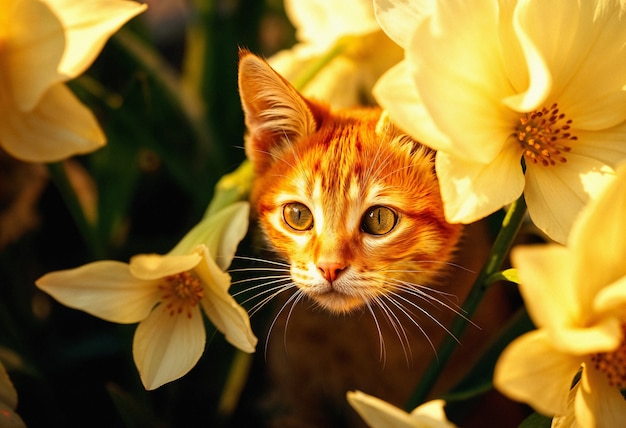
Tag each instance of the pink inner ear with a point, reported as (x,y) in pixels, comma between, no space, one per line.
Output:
(275,113)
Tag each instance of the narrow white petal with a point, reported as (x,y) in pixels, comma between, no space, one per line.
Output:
(598,404)
(396,92)
(105,289)
(599,248)
(31,53)
(547,284)
(540,79)
(555,195)
(88,25)
(58,127)
(167,346)
(531,371)
(378,413)
(461,78)
(220,232)
(471,191)
(156,266)
(323,22)
(398,19)
(222,309)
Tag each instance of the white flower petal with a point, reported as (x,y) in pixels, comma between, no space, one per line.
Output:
(599,248)
(220,232)
(530,370)
(105,289)
(323,22)
(527,21)
(611,299)
(167,346)
(380,414)
(604,335)
(156,266)
(222,309)
(598,404)
(31,53)
(432,412)
(538,265)
(395,91)
(606,146)
(462,88)
(470,191)
(398,19)
(555,195)
(88,25)
(45,134)
(587,54)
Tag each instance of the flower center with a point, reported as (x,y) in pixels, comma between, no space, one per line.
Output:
(181,292)
(613,364)
(544,135)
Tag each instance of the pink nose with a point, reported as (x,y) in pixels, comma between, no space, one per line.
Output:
(331,270)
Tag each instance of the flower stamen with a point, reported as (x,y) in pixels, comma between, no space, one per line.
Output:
(545,136)
(613,364)
(181,292)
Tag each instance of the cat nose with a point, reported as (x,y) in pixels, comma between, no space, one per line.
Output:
(331,270)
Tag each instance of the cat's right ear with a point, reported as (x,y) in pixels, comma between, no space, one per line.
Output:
(276,114)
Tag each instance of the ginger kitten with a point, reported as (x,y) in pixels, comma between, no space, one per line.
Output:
(372,277)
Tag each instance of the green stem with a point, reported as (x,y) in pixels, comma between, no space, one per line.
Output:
(87,230)
(501,246)
(309,74)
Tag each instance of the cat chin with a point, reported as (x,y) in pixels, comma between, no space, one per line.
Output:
(338,303)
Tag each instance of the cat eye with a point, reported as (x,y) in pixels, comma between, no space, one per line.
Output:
(297,216)
(379,220)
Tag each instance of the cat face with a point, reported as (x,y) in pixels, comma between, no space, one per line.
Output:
(348,200)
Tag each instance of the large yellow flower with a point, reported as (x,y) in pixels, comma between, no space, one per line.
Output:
(164,295)
(44,43)
(347,80)
(576,296)
(516,96)
(380,414)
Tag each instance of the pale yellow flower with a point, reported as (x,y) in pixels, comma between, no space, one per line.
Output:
(347,80)
(495,85)
(8,402)
(164,293)
(380,414)
(576,296)
(44,43)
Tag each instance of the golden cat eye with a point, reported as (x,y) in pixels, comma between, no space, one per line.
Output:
(379,220)
(297,216)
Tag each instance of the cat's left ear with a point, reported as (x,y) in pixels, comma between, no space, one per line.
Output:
(276,114)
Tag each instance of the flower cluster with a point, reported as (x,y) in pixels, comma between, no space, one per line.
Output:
(165,294)
(516,96)
(576,296)
(344,46)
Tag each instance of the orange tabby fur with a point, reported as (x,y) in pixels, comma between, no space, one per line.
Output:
(389,289)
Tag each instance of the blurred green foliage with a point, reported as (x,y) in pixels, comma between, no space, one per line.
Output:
(169,105)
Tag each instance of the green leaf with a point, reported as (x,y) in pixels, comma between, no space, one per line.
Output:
(479,379)
(134,413)
(536,420)
(509,275)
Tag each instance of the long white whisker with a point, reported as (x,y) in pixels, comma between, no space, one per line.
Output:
(275,291)
(425,312)
(397,326)
(291,298)
(255,287)
(256,259)
(383,352)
